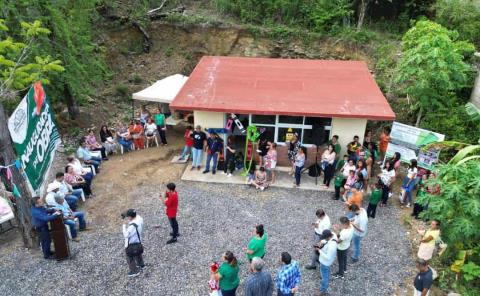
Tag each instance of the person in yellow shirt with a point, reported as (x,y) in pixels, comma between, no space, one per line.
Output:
(427,243)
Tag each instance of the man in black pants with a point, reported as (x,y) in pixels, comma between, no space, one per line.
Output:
(40,217)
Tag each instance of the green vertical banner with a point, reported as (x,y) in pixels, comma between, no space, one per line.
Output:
(35,135)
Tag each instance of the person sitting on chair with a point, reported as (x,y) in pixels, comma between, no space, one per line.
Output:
(86,155)
(69,217)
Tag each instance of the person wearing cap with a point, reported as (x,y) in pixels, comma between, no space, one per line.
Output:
(322,223)
(199,143)
(40,218)
(360,225)
(69,217)
(327,253)
(259,282)
(54,189)
(170,199)
(288,276)
(132,231)
(423,279)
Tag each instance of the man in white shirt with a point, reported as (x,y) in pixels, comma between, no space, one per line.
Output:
(132,232)
(327,253)
(345,235)
(322,223)
(52,191)
(360,225)
(71,195)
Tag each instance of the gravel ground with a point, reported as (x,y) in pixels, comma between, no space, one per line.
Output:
(212,218)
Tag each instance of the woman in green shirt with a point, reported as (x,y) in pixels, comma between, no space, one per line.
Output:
(256,246)
(228,274)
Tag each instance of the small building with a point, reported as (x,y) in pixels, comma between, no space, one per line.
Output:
(314,98)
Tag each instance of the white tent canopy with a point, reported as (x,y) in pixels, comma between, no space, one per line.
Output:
(162,91)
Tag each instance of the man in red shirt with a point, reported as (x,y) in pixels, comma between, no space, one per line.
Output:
(171,203)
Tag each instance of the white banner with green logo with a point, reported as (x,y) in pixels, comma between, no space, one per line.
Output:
(407,140)
(35,135)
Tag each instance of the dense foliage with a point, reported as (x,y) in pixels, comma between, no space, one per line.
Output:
(432,68)
(71,41)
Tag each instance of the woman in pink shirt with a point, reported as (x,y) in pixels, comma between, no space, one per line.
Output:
(93,145)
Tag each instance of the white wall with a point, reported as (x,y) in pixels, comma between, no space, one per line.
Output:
(207,119)
(346,129)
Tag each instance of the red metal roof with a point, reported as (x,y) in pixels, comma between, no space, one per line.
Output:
(317,88)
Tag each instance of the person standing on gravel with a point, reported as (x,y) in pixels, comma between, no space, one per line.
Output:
(360,225)
(288,277)
(228,274)
(199,142)
(423,280)
(259,282)
(322,223)
(345,234)
(132,230)
(328,252)
(171,203)
(256,246)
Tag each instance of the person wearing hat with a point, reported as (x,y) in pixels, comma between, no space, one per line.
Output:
(53,189)
(327,250)
(40,218)
(199,143)
(132,231)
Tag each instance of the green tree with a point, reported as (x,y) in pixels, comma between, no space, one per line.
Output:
(461,15)
(18,69)
(432,68)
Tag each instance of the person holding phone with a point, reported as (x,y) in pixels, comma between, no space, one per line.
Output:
(170,199)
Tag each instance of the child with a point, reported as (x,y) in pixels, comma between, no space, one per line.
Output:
(341,163)
(338,185)
(349,183)
(251,173)
(374,200)
(187,149)
(213,284)
(260,181)
(170,199)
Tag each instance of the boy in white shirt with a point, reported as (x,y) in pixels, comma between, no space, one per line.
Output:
(327,253)
(322,223)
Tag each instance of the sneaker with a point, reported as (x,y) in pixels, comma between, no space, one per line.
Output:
(408,205)
(205,171)
(229,175)
(133,274)
(171,234)
(85,229)
(338,276)
(390,194)
(310,267)
(262,188)
(345,272)
(192,168)
(354,260)
(172,240)
(198,168)
(144,266)
(214,172)
(76,239)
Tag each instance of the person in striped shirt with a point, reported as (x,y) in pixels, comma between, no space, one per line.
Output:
(288,277)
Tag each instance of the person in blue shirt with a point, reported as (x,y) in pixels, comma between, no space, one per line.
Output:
(288,277)
(214,146)
(40,218)
(86,155)
(69,217)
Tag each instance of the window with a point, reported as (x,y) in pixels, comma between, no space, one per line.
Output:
(267,132)
(290,119)
(283,131)
(263,119)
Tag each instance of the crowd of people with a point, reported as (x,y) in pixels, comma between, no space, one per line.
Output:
(353,176)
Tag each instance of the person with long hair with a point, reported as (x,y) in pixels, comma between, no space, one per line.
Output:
(271,162)
(293,147)
(93,145)
(107,139)
(328,160)
(370,158)
(136,131)
(300,159)
(229,165)
(227,274)
(77,181)
(361,167)
(409,183)
(385,179)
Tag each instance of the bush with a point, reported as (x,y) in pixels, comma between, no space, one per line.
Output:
(137,79)
(122,90)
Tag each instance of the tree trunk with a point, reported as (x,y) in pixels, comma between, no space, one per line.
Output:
(419,117)
(22,204)
(361,13)
(71,102)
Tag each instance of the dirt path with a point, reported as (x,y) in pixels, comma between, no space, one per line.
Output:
(122,173)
